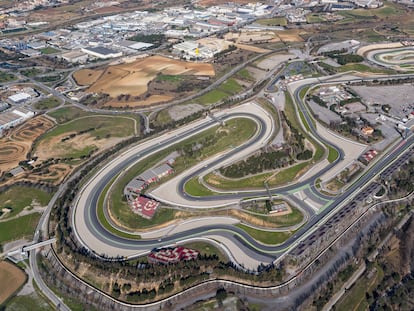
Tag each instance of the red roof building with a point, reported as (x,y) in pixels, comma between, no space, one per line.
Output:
(144,207)
(172,255)
(369,155)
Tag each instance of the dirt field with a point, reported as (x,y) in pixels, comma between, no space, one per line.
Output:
(11,278)
(274,60)
(17,143)
(291,35)
(133,78)
(87,76)
(56,172)
(55,148)
(224,44)
(153,99)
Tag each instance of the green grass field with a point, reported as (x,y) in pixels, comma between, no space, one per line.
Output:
(364,68)
(47,103)
(314,18)
(206,248)
(6,77)
(22,227)
(287,175)
(32,302)
(276,21)
(279,221)
(389,9)
(244,74)
(19,197)
(105,223)
(266,237)
(226,89)
(193,187)
(219,182)
(231,87)
(211,97)
(163,117)
(49,50)
(332,155)
(66,114)
(104,125)
(170,78)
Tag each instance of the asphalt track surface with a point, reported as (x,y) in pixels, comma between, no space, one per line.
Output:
(124,244)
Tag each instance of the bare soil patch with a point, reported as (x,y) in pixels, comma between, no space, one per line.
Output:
(153,99)
(55,148)
(32,129)
(87,76)
(252,48)
(274,60)
(182,111)
(109,9)
(17,143)
(11,278)
(291,35)
(132,78)
(56,173)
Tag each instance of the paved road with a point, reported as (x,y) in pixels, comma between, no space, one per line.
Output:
(105,242)
(42,227)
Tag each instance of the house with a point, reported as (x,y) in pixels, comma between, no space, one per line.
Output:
(368,156)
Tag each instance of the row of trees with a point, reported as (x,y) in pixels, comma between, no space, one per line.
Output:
(342,58)
(270,160)
(258,163)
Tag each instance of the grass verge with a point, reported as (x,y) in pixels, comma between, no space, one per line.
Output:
(19,228)
(19,197)
(47,103)
(193,187)
(265,237)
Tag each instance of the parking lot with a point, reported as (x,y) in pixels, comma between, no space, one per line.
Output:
(398,97)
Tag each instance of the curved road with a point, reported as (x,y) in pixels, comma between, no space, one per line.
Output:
(98,239)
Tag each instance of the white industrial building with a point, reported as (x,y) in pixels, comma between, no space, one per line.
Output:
(193,50)
(135,45)
(101,52)
(19,98)
(76,56)
(14,117)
